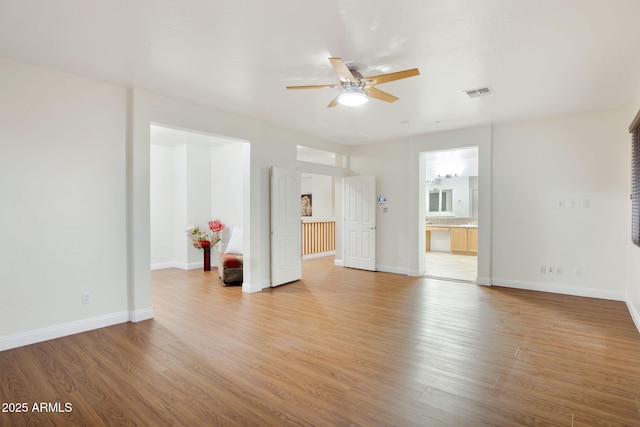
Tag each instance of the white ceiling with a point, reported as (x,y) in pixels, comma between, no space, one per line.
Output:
(541,58)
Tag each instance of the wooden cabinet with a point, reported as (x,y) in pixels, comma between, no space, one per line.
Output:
(472,240)
(458,239)
(464,240)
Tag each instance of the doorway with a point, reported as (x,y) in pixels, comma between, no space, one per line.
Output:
(317,208)
(451,222)
(186,169)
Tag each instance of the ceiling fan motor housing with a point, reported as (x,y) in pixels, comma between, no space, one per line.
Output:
(356,73)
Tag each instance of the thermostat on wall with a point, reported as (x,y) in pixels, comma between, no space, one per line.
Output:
(382,200)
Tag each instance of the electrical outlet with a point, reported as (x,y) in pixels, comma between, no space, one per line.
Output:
(551,269)
(86,298)
(543,269)
(559,270)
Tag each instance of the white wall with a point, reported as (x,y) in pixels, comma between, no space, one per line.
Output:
(179,204)
(321,188)
(226,187)
(306,185)
(579,160)
(163,203)
(198,191)
(63,215)
(389,161)
(461,196)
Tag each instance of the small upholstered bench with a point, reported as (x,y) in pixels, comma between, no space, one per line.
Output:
(230,269)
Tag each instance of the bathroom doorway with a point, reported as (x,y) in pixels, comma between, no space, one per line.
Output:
(451,221)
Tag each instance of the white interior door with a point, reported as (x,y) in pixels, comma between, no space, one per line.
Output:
(360,228)
(286,244)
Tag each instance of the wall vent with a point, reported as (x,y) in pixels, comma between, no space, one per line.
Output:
(481,91)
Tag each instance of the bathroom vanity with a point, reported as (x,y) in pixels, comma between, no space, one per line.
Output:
(463,237)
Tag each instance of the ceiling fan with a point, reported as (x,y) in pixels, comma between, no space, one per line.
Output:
(356,89)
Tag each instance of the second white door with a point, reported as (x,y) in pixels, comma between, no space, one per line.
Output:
(360,225)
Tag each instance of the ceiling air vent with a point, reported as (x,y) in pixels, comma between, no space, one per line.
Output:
(482,91)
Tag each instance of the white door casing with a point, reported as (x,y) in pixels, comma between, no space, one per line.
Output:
(360,223)
(286,244)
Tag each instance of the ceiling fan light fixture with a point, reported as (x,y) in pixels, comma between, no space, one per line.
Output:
(352,98)
(355,89)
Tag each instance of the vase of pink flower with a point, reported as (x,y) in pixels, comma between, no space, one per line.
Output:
(205,240)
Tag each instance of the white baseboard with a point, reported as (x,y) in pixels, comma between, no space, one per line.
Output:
(484,281)
(57,331)
(338,263)
(163,265)
(634,314)
(176,264)
(557,288)
(140,315)
(318,255)
(190,266)
(181,265)
(252,288)
(392,269)
(414,273)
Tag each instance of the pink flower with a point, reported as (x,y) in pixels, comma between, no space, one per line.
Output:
(216,226)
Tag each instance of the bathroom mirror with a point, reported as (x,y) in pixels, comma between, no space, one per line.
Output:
(452,197)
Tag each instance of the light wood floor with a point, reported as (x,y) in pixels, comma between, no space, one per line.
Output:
(341,347)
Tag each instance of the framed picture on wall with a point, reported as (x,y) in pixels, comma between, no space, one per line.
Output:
(306,205)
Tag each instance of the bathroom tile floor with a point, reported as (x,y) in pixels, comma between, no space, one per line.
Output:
(451,266)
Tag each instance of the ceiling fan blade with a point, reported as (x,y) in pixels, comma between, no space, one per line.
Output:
(384,78)
(384,96)
(313,87)
(342,70)
(334,102)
